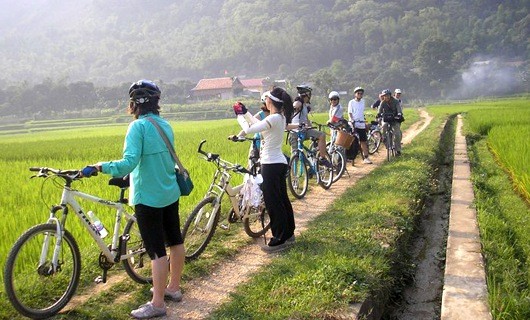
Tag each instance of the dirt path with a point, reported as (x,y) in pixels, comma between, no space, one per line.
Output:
(205,294)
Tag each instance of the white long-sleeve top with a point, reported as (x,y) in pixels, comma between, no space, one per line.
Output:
(272,129)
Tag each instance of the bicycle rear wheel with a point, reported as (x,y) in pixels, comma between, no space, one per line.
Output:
(374,141)
(200,227)
(297,180)
(37,290)
(257,221)
(138,265)
(325,175)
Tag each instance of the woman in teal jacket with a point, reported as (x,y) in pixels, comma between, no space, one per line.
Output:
(154,193)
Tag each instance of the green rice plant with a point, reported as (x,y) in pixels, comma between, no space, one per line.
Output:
(504,221)
(510,113)
(510,145)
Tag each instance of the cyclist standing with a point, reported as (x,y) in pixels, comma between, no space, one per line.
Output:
(154,192)
(397,95)
(390,111)
(302,107)
(274,167)
(336,111)
(356,117)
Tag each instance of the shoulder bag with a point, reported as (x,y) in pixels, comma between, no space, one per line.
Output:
(183,177)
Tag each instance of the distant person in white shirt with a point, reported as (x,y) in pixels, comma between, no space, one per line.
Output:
(356,117)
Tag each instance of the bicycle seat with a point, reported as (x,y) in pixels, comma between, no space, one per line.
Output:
(122,182)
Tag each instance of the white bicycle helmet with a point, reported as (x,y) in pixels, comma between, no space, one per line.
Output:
(264,96)
(397,91)
(334,94)
(358,89)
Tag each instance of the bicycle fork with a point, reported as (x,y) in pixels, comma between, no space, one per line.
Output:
(54,266)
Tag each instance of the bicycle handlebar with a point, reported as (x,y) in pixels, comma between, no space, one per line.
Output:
(223,163)
(44,172)
(235,138)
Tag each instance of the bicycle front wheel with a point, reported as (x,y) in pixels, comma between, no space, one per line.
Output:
(200,227)
(338,161)
(138,265)
(374,141)
(297,180)
(325,175)
(389,146)
(36,288)
(257,221)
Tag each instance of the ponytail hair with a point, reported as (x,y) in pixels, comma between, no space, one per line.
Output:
(283,102)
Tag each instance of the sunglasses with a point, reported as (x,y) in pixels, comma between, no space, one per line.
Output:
(333,99)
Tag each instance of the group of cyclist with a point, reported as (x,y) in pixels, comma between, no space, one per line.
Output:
(277,114)
(389,113)
(147,160)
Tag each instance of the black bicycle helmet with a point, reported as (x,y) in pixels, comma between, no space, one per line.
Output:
(143,90)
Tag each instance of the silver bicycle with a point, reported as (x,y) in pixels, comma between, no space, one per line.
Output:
(43,268)
(247,205)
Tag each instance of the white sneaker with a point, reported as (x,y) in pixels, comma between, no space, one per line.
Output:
(367,161)
(147,311)
(173,296)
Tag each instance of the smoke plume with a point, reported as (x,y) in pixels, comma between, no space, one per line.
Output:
(490,77)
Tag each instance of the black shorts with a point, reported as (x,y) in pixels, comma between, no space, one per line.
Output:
(362,134)
(159,227)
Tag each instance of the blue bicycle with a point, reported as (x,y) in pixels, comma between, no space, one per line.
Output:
(304,164)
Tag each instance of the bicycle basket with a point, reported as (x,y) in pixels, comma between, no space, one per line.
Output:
(344,139)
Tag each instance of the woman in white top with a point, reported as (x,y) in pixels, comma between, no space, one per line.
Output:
(274,168)
(336,112)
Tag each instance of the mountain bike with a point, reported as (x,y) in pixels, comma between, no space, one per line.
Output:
(246,200)
(305,163)
(43,268)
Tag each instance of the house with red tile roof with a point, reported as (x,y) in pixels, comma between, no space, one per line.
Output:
(258,85)
(227,88)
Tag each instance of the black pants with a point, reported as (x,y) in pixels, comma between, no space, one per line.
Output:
(277,201)
(159,227)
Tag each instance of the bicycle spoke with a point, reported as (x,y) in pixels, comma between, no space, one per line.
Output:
(199,227)
(298,179)
(35,290)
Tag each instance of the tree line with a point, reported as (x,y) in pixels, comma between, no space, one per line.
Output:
(422,46)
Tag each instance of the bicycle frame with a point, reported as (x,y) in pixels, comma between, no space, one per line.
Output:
(308,155)
(68,198)
(221,185)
